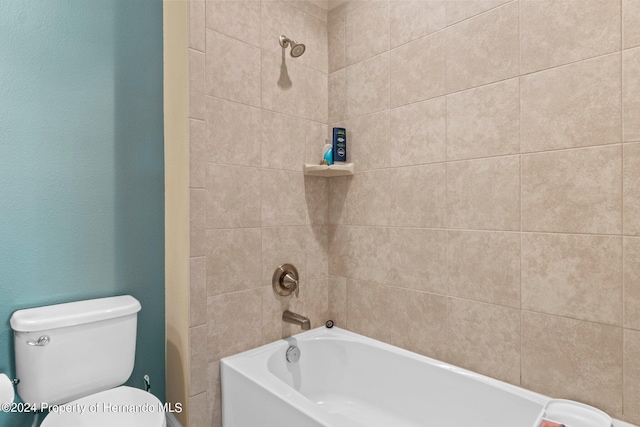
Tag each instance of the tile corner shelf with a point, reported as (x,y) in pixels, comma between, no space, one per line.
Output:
(326,170)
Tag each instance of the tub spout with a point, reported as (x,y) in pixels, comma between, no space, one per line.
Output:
(296,319)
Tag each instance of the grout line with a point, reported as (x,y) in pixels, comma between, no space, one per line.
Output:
(622,217)
(497,156)
(624,367)
(344,15)
(473,87)
(486,303)
(590,58)
(480,230)
(521,211)
(446,207)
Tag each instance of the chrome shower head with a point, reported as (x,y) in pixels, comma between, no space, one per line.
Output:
(297,49)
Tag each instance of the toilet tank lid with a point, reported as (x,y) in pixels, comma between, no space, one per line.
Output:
(73,313)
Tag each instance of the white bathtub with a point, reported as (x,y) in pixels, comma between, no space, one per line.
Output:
(344,379)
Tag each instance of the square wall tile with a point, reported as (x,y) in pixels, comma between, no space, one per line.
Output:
(364,299)
(234,260)
(214,394)
(339,248)
(573,191)
(233,69)
(234,135)
(312,10)
(631,192)
(631,376)
(315,139)
(484,194)
(417,321)
(281,18)
(484,338)
(573,359)
(484,122)
(559,32)
(419,196)
(630,27)
(283,141)
(198,409)
(314,295)
(578,276)
(367,31)
(338,198)
(273,328)
(484,266)
(386,313)
(368,140)
(339,8)
(233,196)
(316,193)
(630,91)
(283,198)
(370,198)
(197,153)
(367,253)
(419,133)
(419,70)
(197,222)
(316,250)
(235,323)
(338,300)
(338,96)
(632,282)
(336,50)
(239,19)
(418,259)
(483,49)
(283,245)
(412,19)
(317,43)
(284,85)
(317,96)
(197,105)
(198,348)
(460,10)
(196,25)
(571,106)
(197,291)
(367,86)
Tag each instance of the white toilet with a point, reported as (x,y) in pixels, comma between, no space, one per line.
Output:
(72,359)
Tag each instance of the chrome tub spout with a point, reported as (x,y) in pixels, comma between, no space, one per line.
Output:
(296,319)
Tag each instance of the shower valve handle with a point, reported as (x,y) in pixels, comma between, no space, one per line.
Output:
(290,282)
(286,281)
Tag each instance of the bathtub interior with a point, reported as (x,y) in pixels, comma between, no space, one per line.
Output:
(345,379)
(359,383)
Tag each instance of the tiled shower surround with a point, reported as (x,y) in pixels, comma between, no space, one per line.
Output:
(493,221)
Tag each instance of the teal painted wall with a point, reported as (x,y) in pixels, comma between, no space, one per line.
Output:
(81,164)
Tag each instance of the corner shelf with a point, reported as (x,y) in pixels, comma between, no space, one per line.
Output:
(326,170)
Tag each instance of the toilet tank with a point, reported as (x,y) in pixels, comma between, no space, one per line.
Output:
(90,348)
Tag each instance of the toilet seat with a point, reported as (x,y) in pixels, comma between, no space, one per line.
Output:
(121,406)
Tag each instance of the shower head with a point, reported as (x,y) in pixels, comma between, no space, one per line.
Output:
(297,49)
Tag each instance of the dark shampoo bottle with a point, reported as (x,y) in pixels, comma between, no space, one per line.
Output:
(339,145)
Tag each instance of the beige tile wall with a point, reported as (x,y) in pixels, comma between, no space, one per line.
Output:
(254,120)
(494,217)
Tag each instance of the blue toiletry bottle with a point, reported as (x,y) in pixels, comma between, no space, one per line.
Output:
(339,145)
(328,154)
